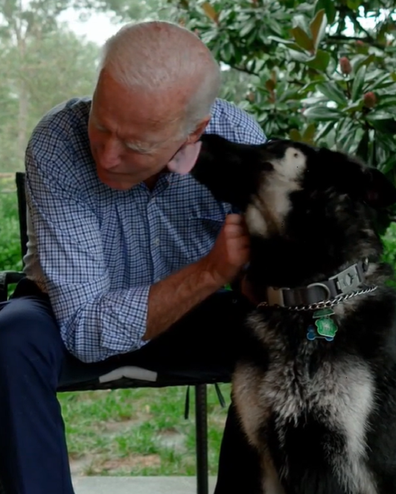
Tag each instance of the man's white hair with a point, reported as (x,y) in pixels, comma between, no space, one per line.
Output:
(158,56)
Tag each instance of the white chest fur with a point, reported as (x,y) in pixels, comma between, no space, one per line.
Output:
(344,390)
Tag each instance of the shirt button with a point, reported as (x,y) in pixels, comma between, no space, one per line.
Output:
(156,242)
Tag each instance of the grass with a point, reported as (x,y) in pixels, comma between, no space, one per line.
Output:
(138,431)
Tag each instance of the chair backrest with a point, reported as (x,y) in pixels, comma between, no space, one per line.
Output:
(20,185)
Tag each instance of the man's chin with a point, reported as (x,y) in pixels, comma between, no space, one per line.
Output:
(116,184)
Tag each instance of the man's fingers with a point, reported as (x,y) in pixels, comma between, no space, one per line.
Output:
(233,231)
(234,219)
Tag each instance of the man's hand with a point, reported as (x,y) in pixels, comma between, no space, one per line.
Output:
(230,252)
(171,298)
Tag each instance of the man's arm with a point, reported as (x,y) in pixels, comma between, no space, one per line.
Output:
(173,297)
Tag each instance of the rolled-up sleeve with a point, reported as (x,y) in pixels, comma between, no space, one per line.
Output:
(95,322)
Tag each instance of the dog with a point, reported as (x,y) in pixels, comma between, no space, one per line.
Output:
(315,385)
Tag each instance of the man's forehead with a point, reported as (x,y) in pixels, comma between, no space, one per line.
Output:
(144,132)
(136,105)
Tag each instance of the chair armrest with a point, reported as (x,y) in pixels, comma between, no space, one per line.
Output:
(8,278)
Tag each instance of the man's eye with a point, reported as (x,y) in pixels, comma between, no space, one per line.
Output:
(137,149)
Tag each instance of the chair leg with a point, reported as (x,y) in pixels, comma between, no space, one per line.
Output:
(201,424)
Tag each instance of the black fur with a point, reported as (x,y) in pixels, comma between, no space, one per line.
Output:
(336,399)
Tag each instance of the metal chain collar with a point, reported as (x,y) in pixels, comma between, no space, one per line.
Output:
(325,303)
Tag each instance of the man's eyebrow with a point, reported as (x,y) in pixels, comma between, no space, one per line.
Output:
(141,147)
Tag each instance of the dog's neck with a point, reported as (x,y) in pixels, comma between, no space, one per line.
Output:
(345,282)
(300,276)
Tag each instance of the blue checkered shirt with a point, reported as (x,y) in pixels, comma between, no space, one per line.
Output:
(96,250)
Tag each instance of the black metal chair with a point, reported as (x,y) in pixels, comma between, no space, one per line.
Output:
(130,377)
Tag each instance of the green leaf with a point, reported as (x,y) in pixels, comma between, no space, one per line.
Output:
(353,4)
(362,150)
(299,57)
(288,95)
(321,61)
(247,28)
(329,7)
(346,140)
(210,11)
(309,133)
(388,166)
(290,44)
(386,126)
(322,113)
(311,85)
(227,52)
(333,92)
(379,83)
(276,28)
(295,135)
(318,27)
(270,85)
(359,61)
(302,38)
(374,75)
(313,100)
(324,131)
(378,115)
(358,83)
(354,107)
(386,101)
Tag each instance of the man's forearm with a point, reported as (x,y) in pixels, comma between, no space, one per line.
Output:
(171,298)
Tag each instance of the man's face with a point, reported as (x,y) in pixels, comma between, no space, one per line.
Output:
(132,136)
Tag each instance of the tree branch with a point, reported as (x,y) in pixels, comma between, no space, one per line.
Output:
(343,39)
(244,69)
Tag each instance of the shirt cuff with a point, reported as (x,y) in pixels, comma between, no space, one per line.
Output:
(126,314)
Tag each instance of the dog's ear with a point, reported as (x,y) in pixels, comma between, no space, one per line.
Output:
(378,191)
(230,171)
(359,181)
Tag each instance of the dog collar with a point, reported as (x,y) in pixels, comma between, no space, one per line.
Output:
(343,283)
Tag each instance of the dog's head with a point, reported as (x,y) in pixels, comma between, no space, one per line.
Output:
(303,205)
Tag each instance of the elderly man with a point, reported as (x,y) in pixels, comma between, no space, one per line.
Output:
(125,260)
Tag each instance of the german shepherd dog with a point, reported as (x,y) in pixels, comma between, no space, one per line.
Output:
(315,387)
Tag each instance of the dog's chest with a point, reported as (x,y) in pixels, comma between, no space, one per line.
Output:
(295,385)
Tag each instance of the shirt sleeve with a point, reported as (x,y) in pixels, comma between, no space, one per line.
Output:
(235,124)
(95,321)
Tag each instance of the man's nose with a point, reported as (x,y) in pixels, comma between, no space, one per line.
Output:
(110,154)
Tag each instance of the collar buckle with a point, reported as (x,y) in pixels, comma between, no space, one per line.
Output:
(349,280)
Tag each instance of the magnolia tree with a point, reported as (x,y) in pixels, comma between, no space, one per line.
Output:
(322,71)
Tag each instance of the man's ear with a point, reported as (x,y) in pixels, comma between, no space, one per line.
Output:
(199,130)
(185,158)
(229,170)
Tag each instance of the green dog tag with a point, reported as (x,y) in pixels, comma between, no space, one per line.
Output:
(326,327)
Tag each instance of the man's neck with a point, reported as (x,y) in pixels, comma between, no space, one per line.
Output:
(151,182)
